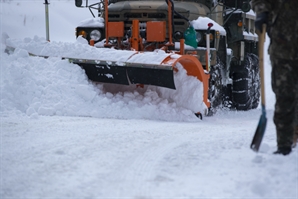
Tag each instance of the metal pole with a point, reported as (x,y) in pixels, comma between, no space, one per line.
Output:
(47,20)
(106,22)
(208,47)
(208,52)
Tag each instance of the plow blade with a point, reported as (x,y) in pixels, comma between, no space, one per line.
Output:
(136,70)
(129,75)
(106,73)
(151,76)
(149,68)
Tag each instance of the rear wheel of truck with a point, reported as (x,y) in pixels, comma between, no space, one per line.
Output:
(246,84)
(255,80)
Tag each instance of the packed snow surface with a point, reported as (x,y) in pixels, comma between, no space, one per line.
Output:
(63,136)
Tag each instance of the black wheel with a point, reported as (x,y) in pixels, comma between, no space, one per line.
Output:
(215,94)
(227,102)
(246,84)
(254,75)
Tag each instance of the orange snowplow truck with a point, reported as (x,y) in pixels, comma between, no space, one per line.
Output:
(214,42)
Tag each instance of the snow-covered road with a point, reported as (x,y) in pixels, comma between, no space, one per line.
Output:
(83,157)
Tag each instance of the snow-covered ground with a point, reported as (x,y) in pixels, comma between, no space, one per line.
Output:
(64,137)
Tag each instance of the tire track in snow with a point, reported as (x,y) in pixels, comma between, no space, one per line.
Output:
(140,171)
(163,161)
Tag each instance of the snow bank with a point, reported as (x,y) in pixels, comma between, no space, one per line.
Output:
(188,93)
(37,86)
(79,49)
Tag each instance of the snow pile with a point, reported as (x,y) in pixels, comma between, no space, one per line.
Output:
(188,93)
(250,35)
(37,86)
(202,24)
(78,49)
(92,22)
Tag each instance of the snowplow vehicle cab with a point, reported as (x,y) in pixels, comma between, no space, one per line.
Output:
(215,43)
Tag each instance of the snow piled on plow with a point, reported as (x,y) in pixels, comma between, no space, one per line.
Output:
(36,86)
(188,91)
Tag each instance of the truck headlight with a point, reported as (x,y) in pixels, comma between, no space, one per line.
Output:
(95,35)
(178,35)
(198,37)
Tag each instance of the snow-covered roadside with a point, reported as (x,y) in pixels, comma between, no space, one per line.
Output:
(82,157)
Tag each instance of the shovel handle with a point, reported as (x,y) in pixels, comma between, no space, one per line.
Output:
(261,36)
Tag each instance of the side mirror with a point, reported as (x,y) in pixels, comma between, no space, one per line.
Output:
(78,3)
(245,6)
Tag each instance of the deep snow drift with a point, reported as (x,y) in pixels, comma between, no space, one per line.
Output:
(69,92)
(63,136)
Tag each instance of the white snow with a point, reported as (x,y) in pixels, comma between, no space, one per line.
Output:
(63,136)
(251,36)
(202,24)
(79,50)
(249,14)
(92,22)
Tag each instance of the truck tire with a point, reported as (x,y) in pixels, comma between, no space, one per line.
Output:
(215,93)
(241,90)
(246,84)
(255,80)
